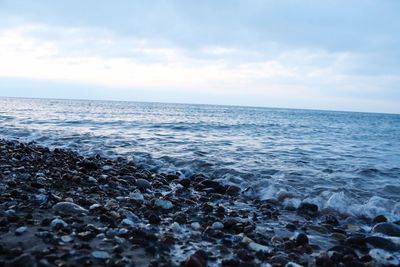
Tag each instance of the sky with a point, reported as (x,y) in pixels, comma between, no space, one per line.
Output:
(335,55)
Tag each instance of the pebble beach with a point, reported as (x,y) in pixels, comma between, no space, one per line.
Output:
(58,208)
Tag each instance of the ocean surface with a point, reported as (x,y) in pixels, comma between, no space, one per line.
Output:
(345,161)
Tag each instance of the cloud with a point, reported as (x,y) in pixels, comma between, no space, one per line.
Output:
(320,52)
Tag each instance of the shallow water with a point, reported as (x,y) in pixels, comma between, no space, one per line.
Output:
(341,160)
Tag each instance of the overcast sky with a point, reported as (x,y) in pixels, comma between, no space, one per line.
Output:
(340,55)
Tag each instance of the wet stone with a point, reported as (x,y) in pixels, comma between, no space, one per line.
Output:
(164,204)
(102,255)
(20,230)
(198,259)
(143,183)
(383,243)
(69,208)
(301,239)
(379,219)
(386,228)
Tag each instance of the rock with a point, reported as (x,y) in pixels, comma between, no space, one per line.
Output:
(279,259)
(386,228)
(307,209)
(258,247)
(343,250)
(324,260)
(217,226)
(292,264)
(233,190)
(154,218)
(20,230)
(195,226)
(331,220)
(88,165)
(165,204)
(94,206)
(66,238)
(379,219)
(58,223)
(101,255)
(301,239)
(107,168)
(41,197)
(92,180)
(198,259)
(356,241)
(137,196)
(128,222)
(142,183)
(380,242)
(69,208)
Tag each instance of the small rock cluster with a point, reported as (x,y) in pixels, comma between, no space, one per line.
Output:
(58,208)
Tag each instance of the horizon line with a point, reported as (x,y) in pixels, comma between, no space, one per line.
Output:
(201,104)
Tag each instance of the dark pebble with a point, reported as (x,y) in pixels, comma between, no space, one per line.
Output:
(379,219)
(198,259)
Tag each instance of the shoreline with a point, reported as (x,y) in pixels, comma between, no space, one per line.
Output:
(58,207)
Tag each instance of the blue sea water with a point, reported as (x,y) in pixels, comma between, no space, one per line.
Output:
(345,161)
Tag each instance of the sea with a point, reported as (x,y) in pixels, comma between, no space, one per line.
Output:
(345,161)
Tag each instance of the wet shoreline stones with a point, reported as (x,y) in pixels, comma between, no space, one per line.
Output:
(58,208)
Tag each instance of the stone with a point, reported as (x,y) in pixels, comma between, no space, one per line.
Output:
(128,222)
(92,180)
(143,183)
(58,223)
(380,242)
(386,228)
(379,219)
(66,238)
(217,226)
(165,204)
(307,209)
(137,196)
(101,255)
(233,190)
(258,247)
(195,226)
(69,208)
(198,259)
(20,230)
(301,239)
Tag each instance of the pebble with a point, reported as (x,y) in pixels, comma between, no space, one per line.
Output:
(198,259)
(92,180)
(69,208)
(165,204)
(66,238)
(386,228)
(101,255)
(143,183)
(136,196)
(41,197)
(380,242)
(55,223)
(307,209)
(127,222)
(217,226)
(301,239)
(20,230)
(258,247)
(107,168)
(195,226)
